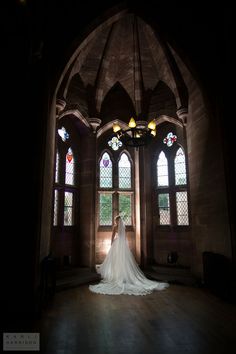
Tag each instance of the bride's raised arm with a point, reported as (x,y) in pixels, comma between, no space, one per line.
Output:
(114,231)
(115,228)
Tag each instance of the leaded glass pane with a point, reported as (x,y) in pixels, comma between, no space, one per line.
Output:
(105,209)
(180,168)
(69,178)
(68,209)
(125,208)
(162,170)
(57,168)
(106,171)
(55,216)
(164,208)
(182,208)
(124,172)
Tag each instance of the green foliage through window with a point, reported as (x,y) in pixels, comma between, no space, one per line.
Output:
(125,208)
(164,208)
(105,209)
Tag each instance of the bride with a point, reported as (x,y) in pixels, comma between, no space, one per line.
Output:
(120,272)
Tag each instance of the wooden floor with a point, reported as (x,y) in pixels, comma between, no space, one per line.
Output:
(180,319)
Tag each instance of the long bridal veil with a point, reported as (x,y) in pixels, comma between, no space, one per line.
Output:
(120,273)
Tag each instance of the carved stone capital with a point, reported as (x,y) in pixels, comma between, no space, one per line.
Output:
(182,114)
(60,105)
(94,123)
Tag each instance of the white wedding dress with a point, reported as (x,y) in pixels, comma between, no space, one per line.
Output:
(120,272)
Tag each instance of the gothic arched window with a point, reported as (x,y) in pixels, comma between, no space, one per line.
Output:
(105,182)
(181,196)
(105,171)
(172,194)
(162,170)
(57,168)
(124,168)
(55,214)
(115,188)
(180,167)
(69,174)
(125,183)
(56,180)
(163,197)
(65,187)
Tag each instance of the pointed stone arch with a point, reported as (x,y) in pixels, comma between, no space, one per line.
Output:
(76,94)
(162,101)
(117,104)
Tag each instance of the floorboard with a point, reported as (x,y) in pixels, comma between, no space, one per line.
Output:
(180,319)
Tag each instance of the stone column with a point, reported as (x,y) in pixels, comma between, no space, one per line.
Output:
(145,204)
(87,195)
(137,206)
(182,114)
(45,240)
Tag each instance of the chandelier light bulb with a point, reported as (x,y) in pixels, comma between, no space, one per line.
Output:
(154,132)
(152,125)
(116,128)
(132,123)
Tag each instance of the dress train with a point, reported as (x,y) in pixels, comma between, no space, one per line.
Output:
(121,274)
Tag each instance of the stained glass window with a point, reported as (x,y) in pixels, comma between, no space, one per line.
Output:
(171,187)
(69,177)
(164,208)
(57,168)
(114,178)
(115,143)
(106,171)
(162,170)
(55,216)
(63,134)
(124,172)
(180,168)
(182,208)
(125,208)
(170,139)
(105,209)
(68,209)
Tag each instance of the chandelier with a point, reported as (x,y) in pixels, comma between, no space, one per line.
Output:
(138,134)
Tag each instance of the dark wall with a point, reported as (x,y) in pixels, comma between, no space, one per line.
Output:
(40,37)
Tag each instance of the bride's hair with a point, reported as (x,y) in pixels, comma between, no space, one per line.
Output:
(117,219)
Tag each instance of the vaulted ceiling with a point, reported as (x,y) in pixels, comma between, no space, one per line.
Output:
(124,69)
